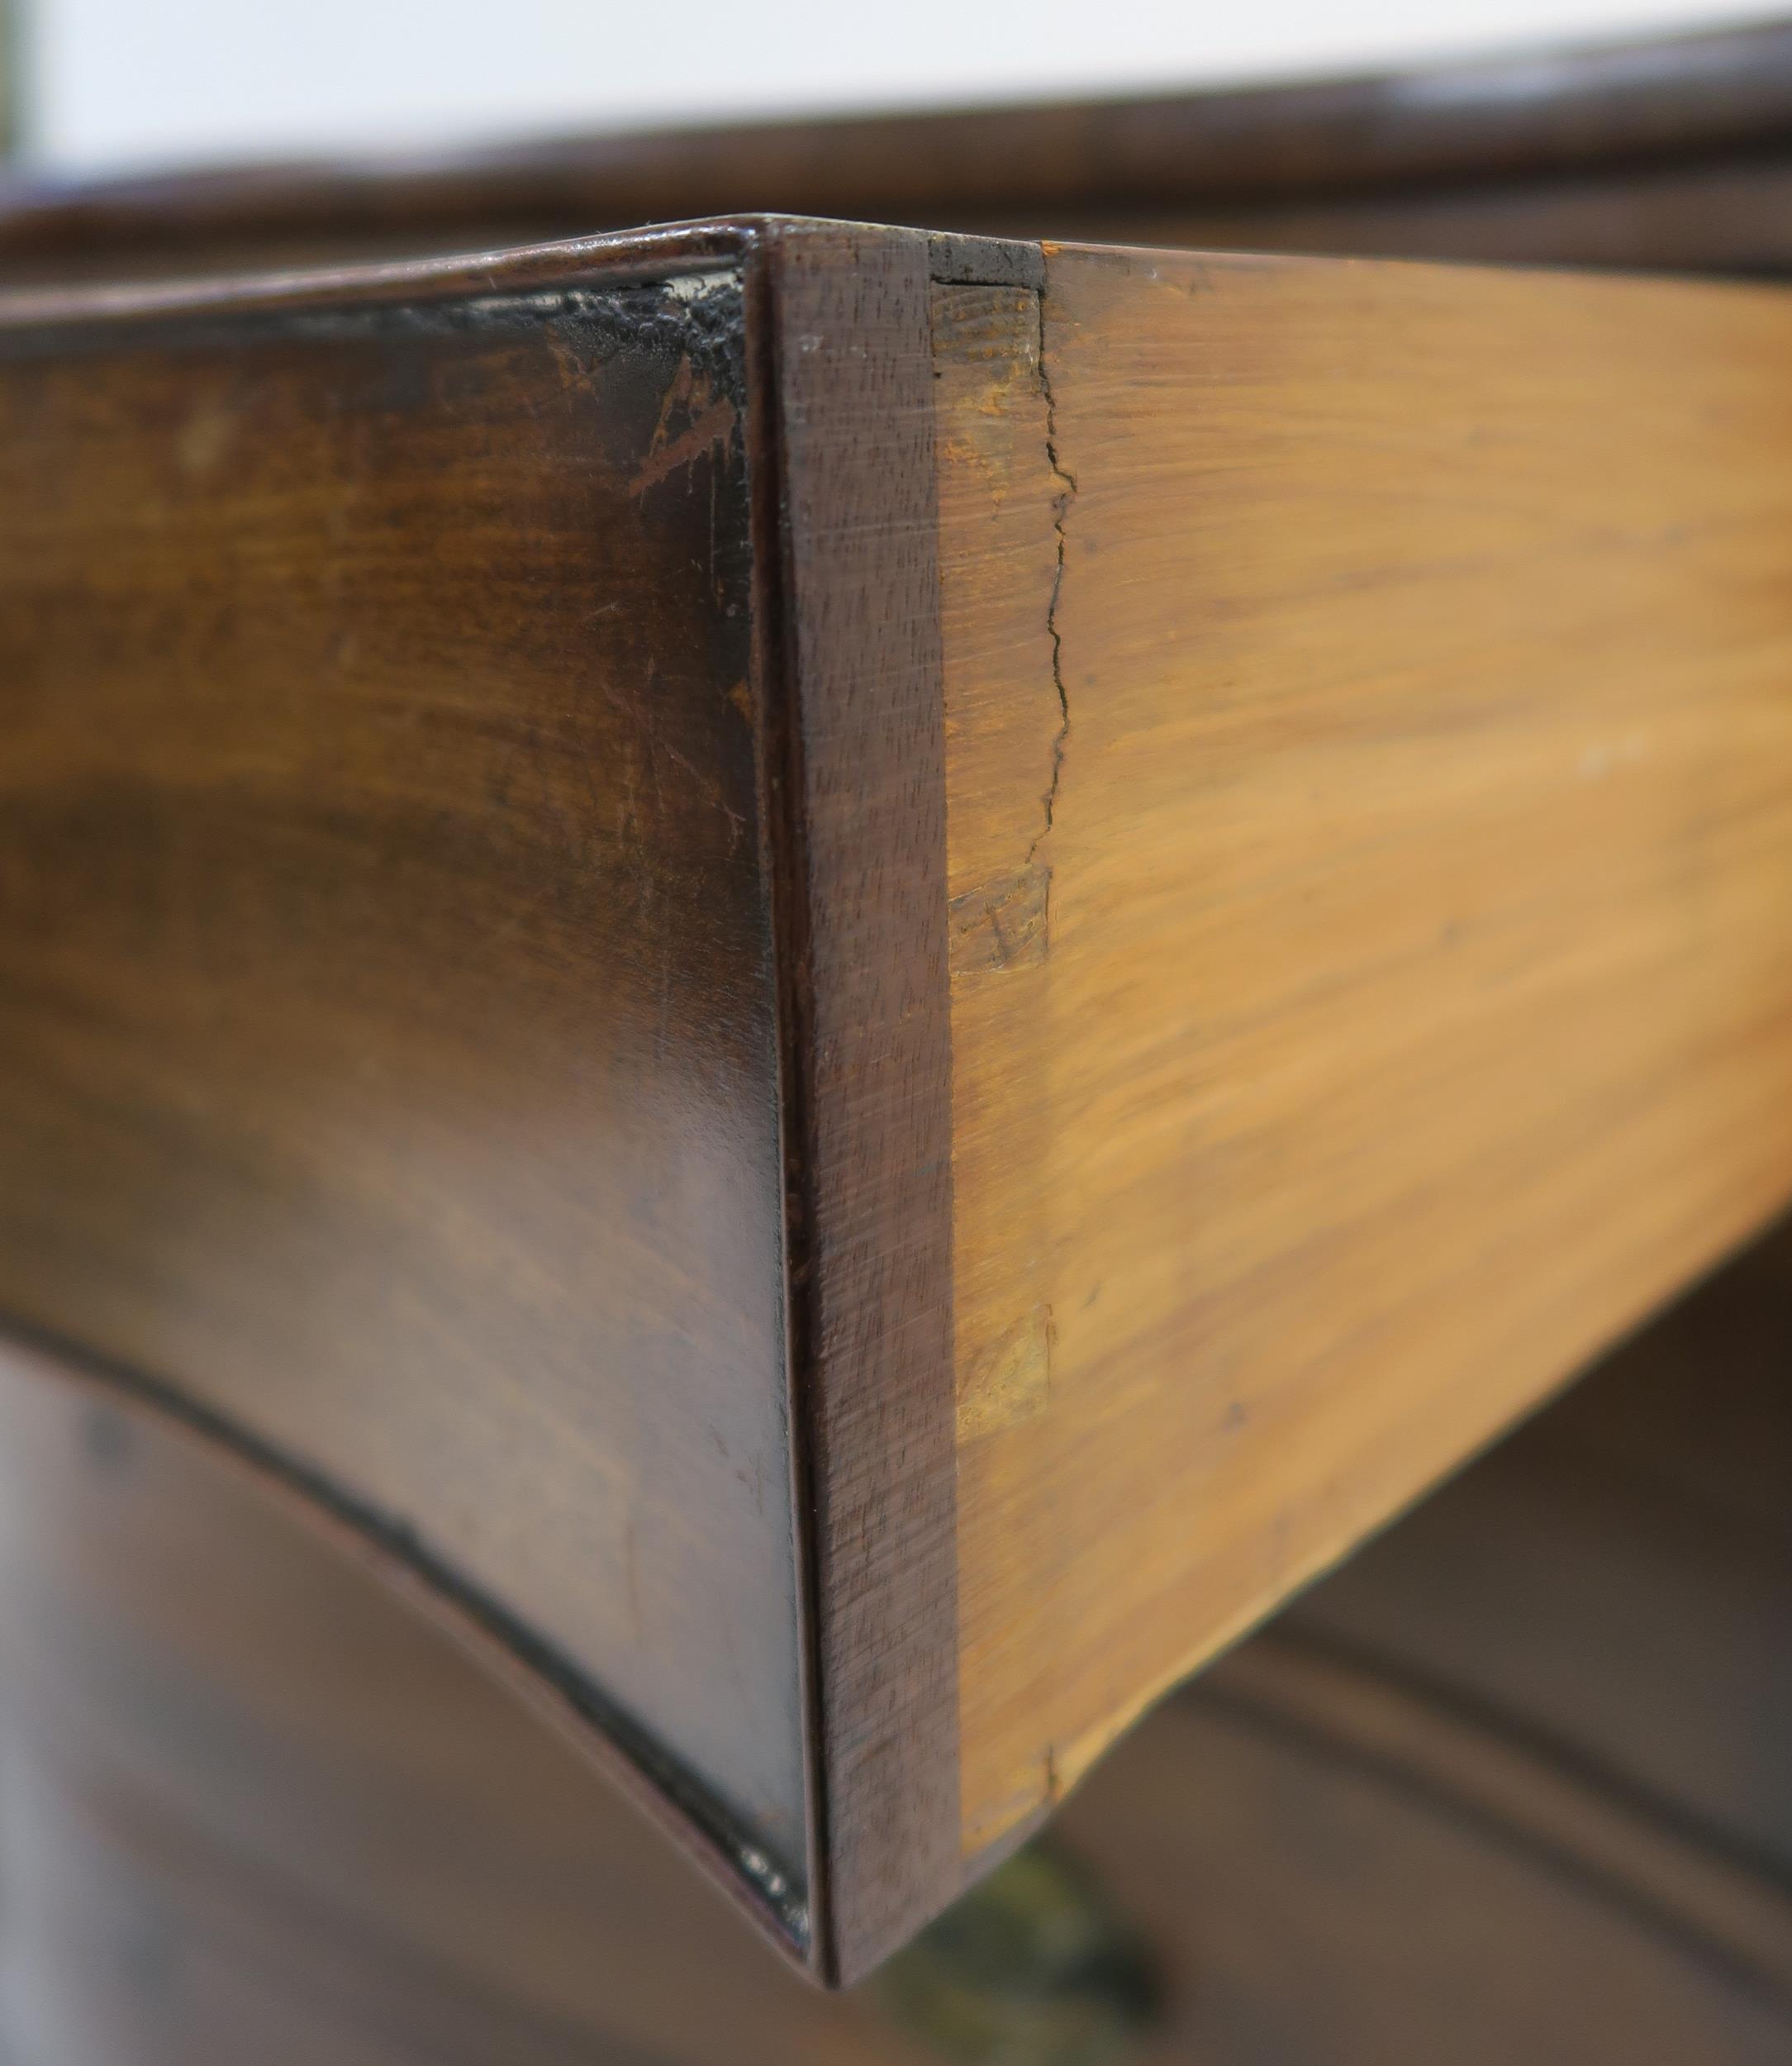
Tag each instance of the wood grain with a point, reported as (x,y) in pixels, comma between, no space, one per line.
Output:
(389,1022)
(1402,1002)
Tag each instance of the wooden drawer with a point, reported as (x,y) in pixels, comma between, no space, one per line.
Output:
(858,980)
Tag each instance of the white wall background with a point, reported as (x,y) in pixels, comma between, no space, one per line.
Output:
(111,83)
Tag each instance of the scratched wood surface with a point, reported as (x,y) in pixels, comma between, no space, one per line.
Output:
(1368,735)
(388,1021)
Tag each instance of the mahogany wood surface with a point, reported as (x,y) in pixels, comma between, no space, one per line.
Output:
(390,1030)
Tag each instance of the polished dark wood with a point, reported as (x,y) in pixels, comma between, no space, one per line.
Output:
(390,1066)
(1672,152)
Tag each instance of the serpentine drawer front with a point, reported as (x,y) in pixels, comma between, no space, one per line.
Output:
(857,981)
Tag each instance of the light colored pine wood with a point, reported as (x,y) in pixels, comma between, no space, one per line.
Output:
(1372,984)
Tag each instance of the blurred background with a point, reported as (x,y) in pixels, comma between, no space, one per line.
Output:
(115,84)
